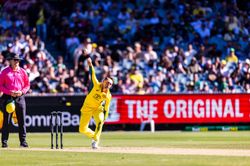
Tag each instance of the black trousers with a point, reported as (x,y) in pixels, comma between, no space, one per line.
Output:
(20,113)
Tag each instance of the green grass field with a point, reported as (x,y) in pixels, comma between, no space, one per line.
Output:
(165,140)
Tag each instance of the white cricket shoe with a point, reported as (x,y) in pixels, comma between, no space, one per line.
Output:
(94,144)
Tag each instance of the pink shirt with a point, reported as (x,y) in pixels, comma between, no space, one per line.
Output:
(14,80)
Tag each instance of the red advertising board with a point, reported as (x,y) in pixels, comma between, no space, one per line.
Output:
(180,108)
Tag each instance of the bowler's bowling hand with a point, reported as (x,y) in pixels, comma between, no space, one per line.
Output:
(89,61)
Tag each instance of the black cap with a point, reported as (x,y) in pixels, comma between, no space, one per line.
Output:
(14,56)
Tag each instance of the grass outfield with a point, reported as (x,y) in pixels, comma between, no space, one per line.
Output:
(164,140)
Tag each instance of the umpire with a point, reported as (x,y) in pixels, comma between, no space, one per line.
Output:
(14,83)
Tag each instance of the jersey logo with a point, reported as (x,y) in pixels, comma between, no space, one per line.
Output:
(97,96)
(104,95)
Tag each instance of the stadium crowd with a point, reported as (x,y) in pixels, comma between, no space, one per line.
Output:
(149,46)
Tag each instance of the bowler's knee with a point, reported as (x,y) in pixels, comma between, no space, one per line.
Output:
(83,130)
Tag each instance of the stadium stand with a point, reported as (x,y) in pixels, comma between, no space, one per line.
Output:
(149,46)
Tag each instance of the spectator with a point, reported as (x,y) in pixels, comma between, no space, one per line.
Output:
(224,70)
(62,87)
(71,44)
(150,56)
(60,63)
(189,54)
(82,69)
(194,67)
(34,73)
(41,25)
(136,77)
(232,58)
(6,52)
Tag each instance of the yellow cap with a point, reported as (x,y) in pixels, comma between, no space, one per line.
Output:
(223,62)
(10,107)
(94,45)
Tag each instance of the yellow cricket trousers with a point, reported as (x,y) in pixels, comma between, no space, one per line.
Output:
(86,115)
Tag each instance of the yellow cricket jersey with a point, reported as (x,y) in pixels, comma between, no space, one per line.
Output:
(138,79)
(96,97)
(41,18)
(233,58)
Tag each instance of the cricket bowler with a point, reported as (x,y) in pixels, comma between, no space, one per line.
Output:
(96,104)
